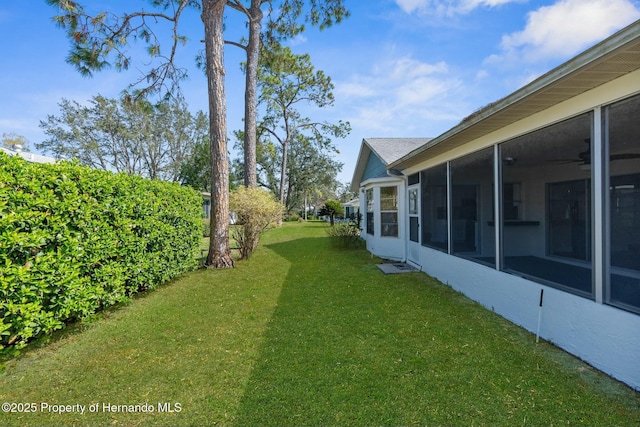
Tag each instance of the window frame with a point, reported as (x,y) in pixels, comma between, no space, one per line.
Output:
(391,212)
(370,213)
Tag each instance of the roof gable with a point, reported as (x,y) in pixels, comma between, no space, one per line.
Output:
(376,154)
(374,168)
(389,150)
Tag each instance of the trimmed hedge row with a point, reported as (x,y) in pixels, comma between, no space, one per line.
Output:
(74,240)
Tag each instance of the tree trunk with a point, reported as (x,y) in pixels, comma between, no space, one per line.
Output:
(250,94)
(283,169)
(219,253)
(287,198)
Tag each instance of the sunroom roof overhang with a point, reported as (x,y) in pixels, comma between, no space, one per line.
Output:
(604,62)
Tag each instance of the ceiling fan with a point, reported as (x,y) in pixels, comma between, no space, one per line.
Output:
(584,157)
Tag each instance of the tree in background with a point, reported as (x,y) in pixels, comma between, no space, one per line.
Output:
(286,82)
(311,173)
(288,21)
(137,138)
(13,141)
(332,208)
(196,171)
(311,176)
(345,194)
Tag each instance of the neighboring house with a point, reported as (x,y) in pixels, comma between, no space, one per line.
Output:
(206,205)
(28,156)
(206,208)
(537,191)
(351,209)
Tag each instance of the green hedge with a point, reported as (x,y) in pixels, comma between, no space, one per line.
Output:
(74,240)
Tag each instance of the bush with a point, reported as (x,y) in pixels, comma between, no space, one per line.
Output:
(345,235)
(293,216)
(257,210)
(74,240)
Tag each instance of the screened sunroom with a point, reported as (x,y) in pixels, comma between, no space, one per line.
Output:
(569,199)
(536,194)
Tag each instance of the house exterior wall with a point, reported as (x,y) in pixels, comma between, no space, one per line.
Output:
(606,337)
(603,336)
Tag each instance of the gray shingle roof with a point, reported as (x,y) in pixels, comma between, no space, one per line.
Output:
(391,149)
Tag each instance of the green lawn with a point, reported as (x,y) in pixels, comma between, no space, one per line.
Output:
(302,334)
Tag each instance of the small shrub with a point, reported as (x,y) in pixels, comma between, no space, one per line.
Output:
(294,217)
(345,235)
(257,210)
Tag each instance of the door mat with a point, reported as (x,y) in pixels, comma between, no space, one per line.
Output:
(396,268)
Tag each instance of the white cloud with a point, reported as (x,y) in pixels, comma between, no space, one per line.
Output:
(297,40)
(481,75)
(404,79)
(401,97)
(408,68)
(410,6)
(563,29)
(355,89)
(448,7)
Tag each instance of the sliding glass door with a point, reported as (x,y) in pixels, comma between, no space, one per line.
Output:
(568,222)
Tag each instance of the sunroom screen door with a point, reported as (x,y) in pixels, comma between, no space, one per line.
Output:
(413,238)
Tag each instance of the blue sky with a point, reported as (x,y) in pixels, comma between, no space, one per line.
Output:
(401,68)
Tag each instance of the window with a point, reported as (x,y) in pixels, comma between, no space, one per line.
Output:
(546,235)
(471,202)
(389,211)
(206,209)
(370,229)
(624,203)
(434,207)
(511,200)
(413,179)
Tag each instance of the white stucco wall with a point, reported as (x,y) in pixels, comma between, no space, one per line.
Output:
(386,247)
(603,336)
